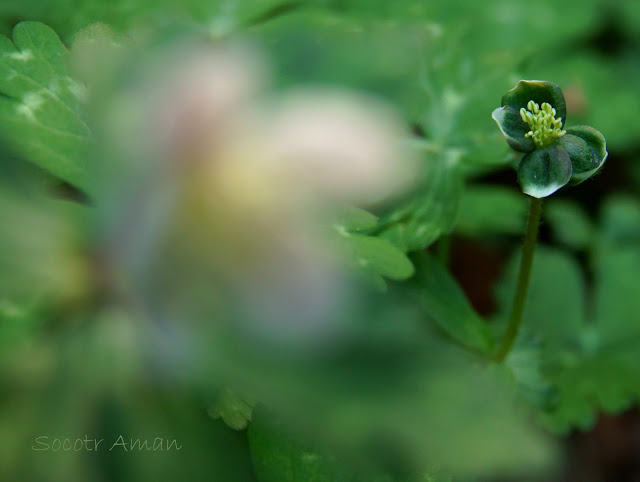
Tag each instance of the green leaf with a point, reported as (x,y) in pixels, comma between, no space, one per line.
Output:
(525,366)
(544,171)
(591,366)
(19,322)
(621,220)
(555,306)
(569,223)
(446,304)
(587,149)
(490,210)
(377,258)
(380,256)
(41,104)
(597,368)
(617,263)
(353,218)
(39,246)
(379,57)
(586,384)
(478,408)
(234,410)
(279,456)
(616,300)
(428,213)
(95,56)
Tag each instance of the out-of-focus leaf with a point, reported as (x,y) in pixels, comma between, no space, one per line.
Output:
(555,305)
(353,218)
(436,477)
(445,303)
(95,53)
(491,210)
(498,23)
(41,107)
(451,408)
(380,256)
(599,370)
(278,456)
(234,410)
(586,384)
(428,213)
(524,364)
(617,264)
(591,365)
(220,17)
(617,300)
(463,407)
(377,258)
(569,223)
(627,15)
(18,323)
(621,220)
(323,46)
(40,246)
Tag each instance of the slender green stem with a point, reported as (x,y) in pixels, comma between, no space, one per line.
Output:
(517,308)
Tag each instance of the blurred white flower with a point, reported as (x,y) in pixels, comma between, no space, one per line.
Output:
(193,104)
(343,144)
(233,186)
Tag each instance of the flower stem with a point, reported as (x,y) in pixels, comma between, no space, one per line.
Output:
(517,308)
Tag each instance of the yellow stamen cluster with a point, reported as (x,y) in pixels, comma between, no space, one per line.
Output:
(545,128)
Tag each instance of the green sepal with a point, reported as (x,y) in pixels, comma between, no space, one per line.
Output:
(539,91)
(508,115)
(587,149)
(513,128)
(544,171)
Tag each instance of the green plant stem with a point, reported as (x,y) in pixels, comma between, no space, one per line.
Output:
(517,308)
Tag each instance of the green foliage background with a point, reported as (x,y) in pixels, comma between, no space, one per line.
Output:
(414,392)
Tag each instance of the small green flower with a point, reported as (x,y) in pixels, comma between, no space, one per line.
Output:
(532,118)
(545,128)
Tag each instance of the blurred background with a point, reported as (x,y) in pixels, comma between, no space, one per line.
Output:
(267,240)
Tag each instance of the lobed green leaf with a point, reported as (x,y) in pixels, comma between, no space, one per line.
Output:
(428,213)
(376,257)
(41,107)
(446,304)
(569,223)
(491,210)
